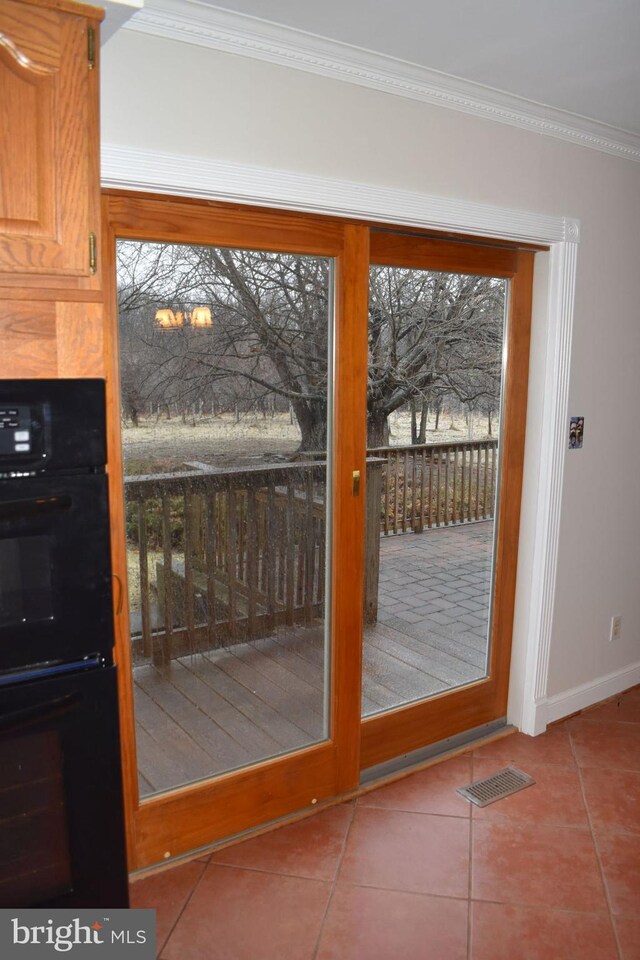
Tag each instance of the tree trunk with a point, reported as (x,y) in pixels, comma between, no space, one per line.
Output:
(419,433)
(312,420)
(377,430)
(424,414)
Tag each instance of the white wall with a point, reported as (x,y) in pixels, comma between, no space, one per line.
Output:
(171,97)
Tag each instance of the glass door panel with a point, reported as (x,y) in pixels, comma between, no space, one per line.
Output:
(226,389)
(251,585)
(436,348)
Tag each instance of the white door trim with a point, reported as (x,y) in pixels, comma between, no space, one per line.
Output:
(139,170)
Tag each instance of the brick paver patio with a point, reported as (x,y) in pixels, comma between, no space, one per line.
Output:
(434,600)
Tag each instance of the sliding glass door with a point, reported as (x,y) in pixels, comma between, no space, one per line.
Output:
(447,367)
(229,524)
(315,456)
(226,393)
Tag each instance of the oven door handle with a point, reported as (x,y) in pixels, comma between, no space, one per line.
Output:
(34,507)
(39,713)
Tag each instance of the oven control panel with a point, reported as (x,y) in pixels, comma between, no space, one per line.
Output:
(52,426)
(20,432)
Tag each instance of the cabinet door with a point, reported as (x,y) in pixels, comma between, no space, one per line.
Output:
(49,183)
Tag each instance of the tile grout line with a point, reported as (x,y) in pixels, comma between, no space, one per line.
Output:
(596,850)
(411,893)
(181,911)
(581,779)
(334,882)
(271,871)
(417,813)
(469,883)
(527,905)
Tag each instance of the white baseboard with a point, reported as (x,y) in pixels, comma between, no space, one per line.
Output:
(578,698)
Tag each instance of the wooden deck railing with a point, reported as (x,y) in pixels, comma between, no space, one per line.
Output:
(224,555)
(221,555)
(436,484)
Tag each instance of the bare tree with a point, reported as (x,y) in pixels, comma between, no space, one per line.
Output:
(430,335)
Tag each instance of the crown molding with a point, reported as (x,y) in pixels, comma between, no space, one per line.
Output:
(129,168)
(202,25)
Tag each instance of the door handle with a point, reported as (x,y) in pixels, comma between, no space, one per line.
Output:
(120,593)
(356,483)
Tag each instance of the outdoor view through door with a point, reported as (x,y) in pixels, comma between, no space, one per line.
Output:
(316,446)
(433,411)
(226,393)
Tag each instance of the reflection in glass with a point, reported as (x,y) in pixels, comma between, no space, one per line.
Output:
(25,580)
(225,389)
(434,397)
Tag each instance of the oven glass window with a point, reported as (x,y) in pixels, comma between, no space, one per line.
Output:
(25,580)
(35,859)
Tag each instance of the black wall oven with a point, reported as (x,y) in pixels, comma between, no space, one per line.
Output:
(61,819)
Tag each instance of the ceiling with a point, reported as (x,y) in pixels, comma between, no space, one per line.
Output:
(581,56)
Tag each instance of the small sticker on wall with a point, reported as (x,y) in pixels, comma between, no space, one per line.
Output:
(576,433)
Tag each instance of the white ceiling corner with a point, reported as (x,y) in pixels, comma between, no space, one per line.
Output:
(116,14)
(200,23)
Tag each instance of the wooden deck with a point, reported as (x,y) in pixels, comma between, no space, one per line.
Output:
(210,712)
(219,554)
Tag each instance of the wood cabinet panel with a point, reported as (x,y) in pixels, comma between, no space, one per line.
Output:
(28,336)
(49,185)
(80,340)
(48,339)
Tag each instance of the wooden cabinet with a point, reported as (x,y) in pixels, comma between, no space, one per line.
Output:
(50,284)
(49,160)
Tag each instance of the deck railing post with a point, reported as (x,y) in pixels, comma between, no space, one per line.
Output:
(372,540)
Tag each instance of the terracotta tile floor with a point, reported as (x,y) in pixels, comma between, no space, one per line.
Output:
(413,872)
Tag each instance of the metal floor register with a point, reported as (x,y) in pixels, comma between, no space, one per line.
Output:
(495,787)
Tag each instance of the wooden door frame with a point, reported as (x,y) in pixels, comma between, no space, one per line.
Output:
(191,816)
(170,824)
(415,725)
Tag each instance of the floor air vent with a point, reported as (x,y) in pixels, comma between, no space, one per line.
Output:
(499,785)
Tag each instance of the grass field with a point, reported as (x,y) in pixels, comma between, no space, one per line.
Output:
(164,446)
